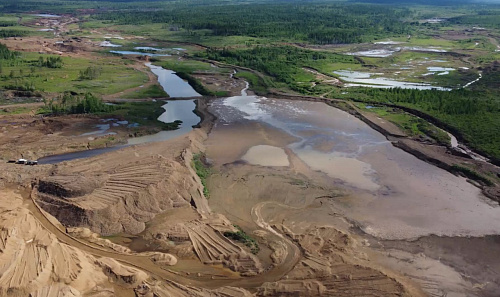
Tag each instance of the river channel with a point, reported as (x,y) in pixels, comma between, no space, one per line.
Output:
(174,110)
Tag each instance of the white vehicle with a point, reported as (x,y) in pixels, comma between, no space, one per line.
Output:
(21,161)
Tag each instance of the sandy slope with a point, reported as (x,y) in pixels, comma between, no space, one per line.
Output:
(33,260)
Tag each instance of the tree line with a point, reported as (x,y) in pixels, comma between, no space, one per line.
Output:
(320,23)
(473,114)
(6,54)
(68,103)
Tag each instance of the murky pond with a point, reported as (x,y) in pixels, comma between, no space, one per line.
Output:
(376,53)
(364,79)
(109,44)
(388,42)
(384,49)
(266,155)
(174,110)
(138,53)
(147,48)
(181,110)
(47,15)
(440,70)
(394,195)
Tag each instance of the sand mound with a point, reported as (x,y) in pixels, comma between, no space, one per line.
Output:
(163,289)
(120,191)
(86,234)
(164,259)
(33,261)
(299,288)
(58,290)
(121,274)
(329,269)
(213,248)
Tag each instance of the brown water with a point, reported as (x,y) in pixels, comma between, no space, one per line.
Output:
(266,155)
(392,194)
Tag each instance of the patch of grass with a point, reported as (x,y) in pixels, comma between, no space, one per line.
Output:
(103,142)
(202,170)
(257,84)
(145,114)
(196,84)
(411,125)
(94,24)
(328,68)
(244,238)
(303,77)
(16,110)
(188,66)
(472,174)
(153,91)
(431,41)
(116,75)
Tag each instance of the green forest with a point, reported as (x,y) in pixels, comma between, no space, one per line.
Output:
(473,116)
(325,23)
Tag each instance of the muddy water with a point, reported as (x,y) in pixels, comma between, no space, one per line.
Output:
(174,110)
(393,195)
(363,79)
(266,155)
(138,53)
(171,83)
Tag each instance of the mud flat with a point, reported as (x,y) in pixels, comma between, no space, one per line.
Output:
(397,195)
(354,177)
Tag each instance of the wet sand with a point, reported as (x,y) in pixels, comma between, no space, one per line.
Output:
(475,260)
(395,195)
(353,177)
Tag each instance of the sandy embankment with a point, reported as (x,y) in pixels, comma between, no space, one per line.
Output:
(33,260)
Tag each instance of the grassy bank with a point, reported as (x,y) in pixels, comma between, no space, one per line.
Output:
(258,84)
(185,69)
(153,91)
(411,125)
(473,116)
(202,170)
